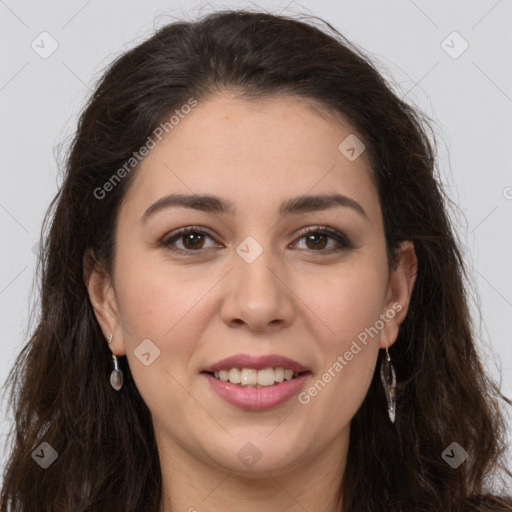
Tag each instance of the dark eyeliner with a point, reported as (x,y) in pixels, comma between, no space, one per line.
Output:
(336,235)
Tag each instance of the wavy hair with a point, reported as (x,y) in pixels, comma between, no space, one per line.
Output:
(59,386)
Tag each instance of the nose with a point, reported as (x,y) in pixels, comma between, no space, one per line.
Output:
(256,292)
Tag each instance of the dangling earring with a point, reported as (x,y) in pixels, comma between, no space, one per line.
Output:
(116,377)
(388,377)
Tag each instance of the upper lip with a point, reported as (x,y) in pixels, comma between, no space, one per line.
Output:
(256,362)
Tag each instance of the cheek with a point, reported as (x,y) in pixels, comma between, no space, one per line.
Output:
(155,297)
(155,303)
(348,329)
(348,356)
(348,303)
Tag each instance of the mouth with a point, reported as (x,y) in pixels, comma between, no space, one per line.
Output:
(252,396)
(256,379)
(256,382)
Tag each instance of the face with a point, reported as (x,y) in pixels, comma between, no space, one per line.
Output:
(253,279)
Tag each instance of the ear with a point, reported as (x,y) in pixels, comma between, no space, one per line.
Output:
(400,285)
(102,297)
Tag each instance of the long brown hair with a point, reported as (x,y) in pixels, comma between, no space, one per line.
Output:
(59,387)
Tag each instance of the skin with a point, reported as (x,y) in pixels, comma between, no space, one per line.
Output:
(293,300)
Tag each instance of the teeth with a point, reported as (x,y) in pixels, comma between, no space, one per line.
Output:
(234,376)
(266,377)
(249,377)
(279,375)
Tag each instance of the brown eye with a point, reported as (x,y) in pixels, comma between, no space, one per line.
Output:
(191,239)
(317,239)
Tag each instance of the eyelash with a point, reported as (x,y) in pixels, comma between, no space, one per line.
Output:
(341,238)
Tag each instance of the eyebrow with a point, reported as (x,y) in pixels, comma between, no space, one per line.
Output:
(213,204)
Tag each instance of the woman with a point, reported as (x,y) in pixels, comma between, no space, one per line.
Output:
(252,297)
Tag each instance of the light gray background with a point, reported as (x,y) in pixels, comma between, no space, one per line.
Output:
(469,98)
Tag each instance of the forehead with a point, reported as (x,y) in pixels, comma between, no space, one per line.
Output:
(256,153)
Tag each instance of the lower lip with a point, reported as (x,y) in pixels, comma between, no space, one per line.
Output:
(261,398)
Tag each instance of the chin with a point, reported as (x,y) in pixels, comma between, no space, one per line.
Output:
(255,455)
